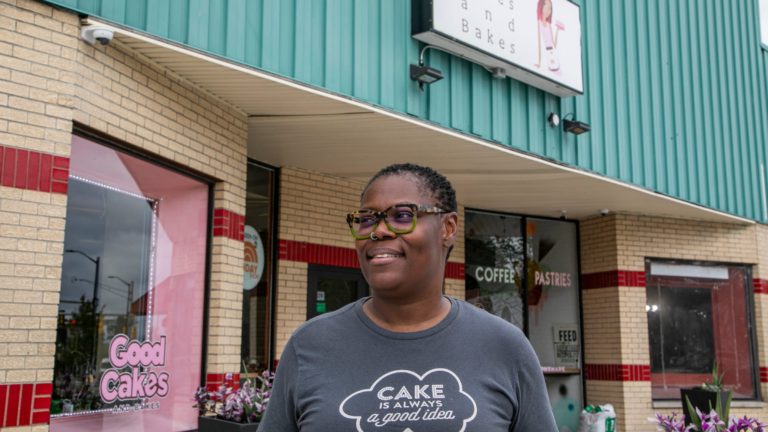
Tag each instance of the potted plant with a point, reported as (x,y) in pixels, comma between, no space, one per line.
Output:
(231,409)
(710,396)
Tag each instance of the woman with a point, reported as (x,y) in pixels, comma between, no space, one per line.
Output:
(407,358)
(548,38)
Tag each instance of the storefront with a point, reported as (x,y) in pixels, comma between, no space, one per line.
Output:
(172,202)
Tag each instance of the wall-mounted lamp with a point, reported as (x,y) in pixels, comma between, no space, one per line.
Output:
(574,126)
(424,74)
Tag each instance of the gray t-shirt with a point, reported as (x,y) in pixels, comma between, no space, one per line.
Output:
(471,372)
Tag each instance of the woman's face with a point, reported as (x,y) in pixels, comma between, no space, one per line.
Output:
(546,9)
(399,266)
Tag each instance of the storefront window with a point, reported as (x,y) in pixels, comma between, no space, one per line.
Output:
(129,337)
(525,270)
(553,312)
(494,265)
(698,316)
(257,279)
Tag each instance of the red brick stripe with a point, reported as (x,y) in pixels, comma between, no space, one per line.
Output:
(25,413)
(617,372)
(760,285)
(12,409)
(763,374)
(3,403)
(613,278)
(31,170)
(454,270)
(228,224)
(25,404)
(41,409)
(312,253)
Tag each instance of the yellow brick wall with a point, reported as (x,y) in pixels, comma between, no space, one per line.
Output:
(32,239)
(327,199)
(48,78)
(598,244)
(291,308)
(602,318)
(631,401)
(761,235)
(638,237)
(37,79)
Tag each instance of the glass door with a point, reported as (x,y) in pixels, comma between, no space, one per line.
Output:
(526,271)
(331,288)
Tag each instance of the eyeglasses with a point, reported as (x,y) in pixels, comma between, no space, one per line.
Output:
(399,219)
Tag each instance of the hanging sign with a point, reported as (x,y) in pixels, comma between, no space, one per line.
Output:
(534,41)
(253,263)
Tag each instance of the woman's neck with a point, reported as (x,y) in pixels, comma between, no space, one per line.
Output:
(407,317)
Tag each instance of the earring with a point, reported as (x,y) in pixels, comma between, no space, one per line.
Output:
(374,237)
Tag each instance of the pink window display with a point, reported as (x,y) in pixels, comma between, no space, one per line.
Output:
(130,333)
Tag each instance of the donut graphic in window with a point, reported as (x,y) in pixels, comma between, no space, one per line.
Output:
(253,262)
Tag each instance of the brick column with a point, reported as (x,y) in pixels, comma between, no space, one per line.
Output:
(616,357)
(37,45)
(226,296)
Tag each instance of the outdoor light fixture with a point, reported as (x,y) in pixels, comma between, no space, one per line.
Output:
(425,75)
(574,126)
(553,120)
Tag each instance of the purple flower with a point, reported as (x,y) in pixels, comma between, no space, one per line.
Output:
(243,405)
(709,423)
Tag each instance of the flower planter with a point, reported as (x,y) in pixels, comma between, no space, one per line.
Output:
(213,424)
(701,399)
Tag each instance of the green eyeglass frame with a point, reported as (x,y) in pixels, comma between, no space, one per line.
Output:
(378,216)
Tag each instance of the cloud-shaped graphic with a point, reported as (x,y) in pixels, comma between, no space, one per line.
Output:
(405,400)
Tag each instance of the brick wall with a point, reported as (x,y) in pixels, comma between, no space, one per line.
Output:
(48,78)
(37,76)
(326,240)
(613,253)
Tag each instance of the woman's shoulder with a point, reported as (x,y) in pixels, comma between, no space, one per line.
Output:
(486,324)
(327,322)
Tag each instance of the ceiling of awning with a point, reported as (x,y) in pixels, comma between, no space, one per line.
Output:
(294,125)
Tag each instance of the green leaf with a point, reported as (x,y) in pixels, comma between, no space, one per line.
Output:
(692,411)
(727,407)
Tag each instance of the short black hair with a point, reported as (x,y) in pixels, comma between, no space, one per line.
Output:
(437,184)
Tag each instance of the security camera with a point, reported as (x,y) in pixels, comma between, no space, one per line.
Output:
(604,212)
(93,34)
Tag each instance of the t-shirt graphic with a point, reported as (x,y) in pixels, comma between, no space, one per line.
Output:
(403,400)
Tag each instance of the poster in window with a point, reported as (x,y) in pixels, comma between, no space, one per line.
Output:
(566,345)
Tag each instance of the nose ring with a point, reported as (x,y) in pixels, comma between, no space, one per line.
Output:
(374,237)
